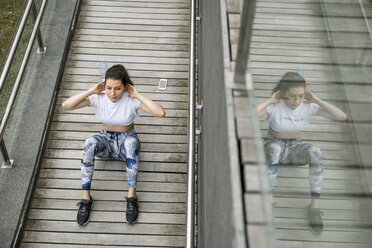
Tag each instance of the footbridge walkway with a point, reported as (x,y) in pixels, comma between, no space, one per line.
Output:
(213,194)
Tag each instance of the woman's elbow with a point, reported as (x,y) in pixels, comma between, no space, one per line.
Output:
(66,106)
(161,114)
(343,117)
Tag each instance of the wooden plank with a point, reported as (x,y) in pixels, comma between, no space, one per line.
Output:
(107,239)
(124,45)
(143,120)
(169,112)
(46,245)
(166,104)
(113,175)
(111,9)
(134,39)
(310,244)
(133,15)
(148,166)
(129,52)
(157,74)
(329,225)
(117,205)
(331,214)
(159,138)
(142,4)
(143,156)
(112,59)
(92,19)
(110,195)
(84,127)
(327,236)
(98,227)
(145,147)
(130,66)
(303,172)
(349,185)
(57,183)
(136,80)
(105,216)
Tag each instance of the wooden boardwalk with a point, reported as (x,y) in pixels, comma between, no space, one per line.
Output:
(288,34)
(150,37)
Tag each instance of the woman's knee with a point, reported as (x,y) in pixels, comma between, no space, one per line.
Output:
(131,145)
(92,141)
(314,152)
(273,150)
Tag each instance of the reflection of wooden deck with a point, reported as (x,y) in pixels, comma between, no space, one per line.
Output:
(151,39)
(287,35)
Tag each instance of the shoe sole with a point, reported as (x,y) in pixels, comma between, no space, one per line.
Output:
(310,228)
(86,223)
(134,222)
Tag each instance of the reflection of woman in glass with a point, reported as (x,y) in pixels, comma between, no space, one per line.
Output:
(288,112)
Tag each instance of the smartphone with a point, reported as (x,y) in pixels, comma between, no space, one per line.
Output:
(162,84)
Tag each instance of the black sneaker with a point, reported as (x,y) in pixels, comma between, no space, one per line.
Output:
(132,210)
(84,211)
(315,219)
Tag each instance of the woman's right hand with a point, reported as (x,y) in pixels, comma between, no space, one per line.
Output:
(276,96)
(98,88)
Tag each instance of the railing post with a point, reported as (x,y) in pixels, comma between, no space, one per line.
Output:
(41,48)
(246,26)
(8,163)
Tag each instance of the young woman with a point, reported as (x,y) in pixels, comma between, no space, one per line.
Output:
(116,102)
(288,112)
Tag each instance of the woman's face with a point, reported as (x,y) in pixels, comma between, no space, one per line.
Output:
(294,97)
(114,89)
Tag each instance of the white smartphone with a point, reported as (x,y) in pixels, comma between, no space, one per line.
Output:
(162,84)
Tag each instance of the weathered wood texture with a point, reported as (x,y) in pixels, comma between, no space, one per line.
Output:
(150,38)
(288,35)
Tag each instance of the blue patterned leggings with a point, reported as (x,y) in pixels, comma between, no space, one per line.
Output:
(111,146)
(294,152)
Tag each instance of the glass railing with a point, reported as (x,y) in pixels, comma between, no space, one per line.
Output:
(320,180)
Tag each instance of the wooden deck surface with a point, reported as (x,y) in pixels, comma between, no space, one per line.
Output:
(150,37)
(288,35)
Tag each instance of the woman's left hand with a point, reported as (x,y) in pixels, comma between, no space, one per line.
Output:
(311,97)
(132,92)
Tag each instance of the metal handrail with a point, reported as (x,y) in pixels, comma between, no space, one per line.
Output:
(36,31)
(191,134)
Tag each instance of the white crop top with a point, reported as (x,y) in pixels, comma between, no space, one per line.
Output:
(119,113)
(283,119)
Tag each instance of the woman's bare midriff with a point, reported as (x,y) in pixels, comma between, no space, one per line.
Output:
(112,128)
(283,135)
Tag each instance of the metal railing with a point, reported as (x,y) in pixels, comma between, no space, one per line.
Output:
(190,215)
(8,162)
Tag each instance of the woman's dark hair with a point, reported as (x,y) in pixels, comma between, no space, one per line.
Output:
(118,72)
(290,80)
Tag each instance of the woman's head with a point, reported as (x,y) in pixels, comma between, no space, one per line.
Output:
(116,82)
(118,72)
(292,88)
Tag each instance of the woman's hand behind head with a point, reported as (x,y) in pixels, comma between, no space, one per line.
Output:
(276,96)
(99,88)
(132,92)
